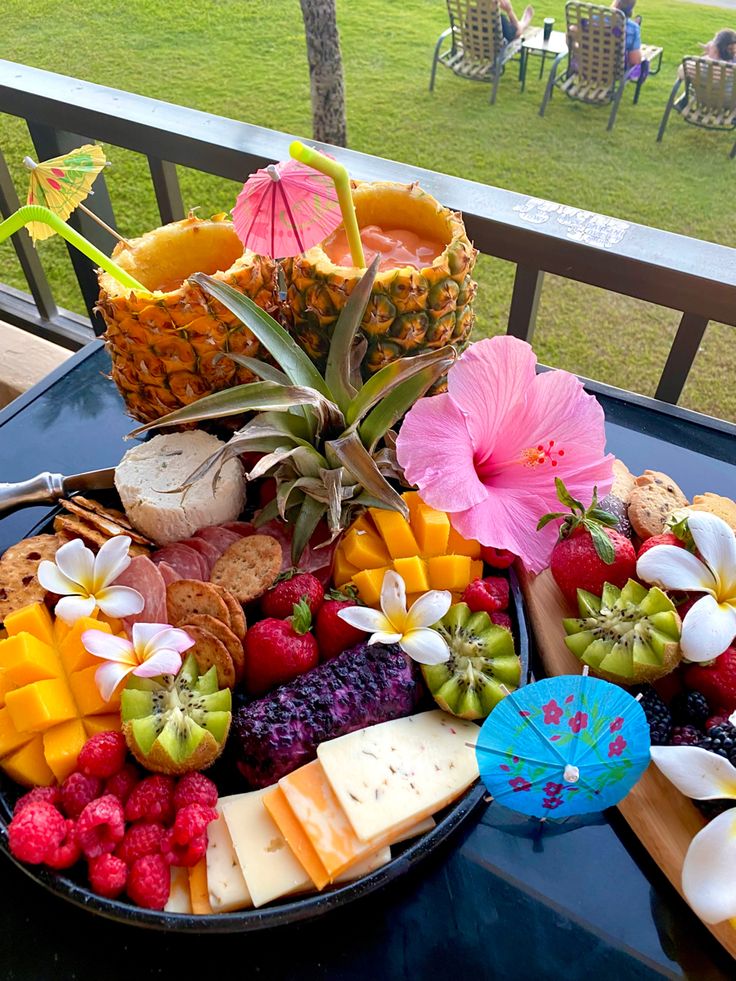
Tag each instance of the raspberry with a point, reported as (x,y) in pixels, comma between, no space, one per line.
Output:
(49,795)
(149,882)
(191,822)
(685,736)
(490,595)
(107,875)
(101,826)
(35,832)
(151,799)
(68,852)
(501,620)
(183,853)
(140,839)
(77,791)
(103,754)
(195,788)
(121,784)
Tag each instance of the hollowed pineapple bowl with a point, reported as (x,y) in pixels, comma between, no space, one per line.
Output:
(164,344)
(410,310)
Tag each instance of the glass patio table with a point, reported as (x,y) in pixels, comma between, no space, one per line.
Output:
(533,42)
(499,899)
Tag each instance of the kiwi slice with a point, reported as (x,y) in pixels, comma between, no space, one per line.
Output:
(174,724)
(627,635)
(482,664)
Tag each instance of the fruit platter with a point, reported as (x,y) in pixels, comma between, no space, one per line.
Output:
(277,654)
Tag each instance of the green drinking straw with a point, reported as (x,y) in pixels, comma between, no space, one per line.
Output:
(35,212)
(313,158)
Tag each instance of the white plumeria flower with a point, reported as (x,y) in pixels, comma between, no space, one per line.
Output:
(710,624)
(155,649)
(708,879)
(411,631)
(83,580)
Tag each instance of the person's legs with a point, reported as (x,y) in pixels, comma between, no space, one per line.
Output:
(511,25)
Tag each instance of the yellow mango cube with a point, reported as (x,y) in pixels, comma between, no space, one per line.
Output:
(11,737)
(432,530)
(33,619)
(449,572)
(457,545)
(396,533)
(414,573)
(364,550)
(74,655)
(24,659)
(414,502)
(102,723)
(6,685)
(39,706)
(364,523)
(476,569)
(342,570)
(369,583)
(28,766)
(61,746)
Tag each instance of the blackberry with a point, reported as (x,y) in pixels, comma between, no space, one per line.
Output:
(658,717)
(690,708)
(721,740)
(686,736)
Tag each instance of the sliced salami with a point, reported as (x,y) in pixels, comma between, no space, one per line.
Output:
(143,575)
(168,572)
(206,549)
(242,528)
(318,561)
(184,560)
(219,537)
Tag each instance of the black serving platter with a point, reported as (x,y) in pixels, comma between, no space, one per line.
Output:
(407,855)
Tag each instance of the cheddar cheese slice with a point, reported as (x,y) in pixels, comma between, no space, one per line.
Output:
(278,807)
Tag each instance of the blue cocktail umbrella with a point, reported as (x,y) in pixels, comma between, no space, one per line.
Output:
(563,746)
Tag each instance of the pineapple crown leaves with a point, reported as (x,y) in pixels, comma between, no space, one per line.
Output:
(328,440)
(594,519)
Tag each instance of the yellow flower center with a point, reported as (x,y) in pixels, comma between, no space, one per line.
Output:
(535,456)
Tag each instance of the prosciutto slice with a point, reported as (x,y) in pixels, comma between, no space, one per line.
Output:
(187,562)
(142,574)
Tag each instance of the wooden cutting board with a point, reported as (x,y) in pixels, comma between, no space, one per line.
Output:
(663,819)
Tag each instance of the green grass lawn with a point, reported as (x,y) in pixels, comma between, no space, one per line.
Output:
(246,59)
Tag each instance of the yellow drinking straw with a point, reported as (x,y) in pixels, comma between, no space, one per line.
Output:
(313,158)
(35,212)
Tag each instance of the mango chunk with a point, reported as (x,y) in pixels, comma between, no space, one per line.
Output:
(87,695)
(457,545)
(432,530)
(476,569)
(396,533)
(28,766)
(102,723)
(364,523)
(61,747)
(364,549)
(74,655)
(414,573)
(41,705)
(342,570)
(369,583)
(11,738)
(33,619)
(449,572)
(6,685)
(25,659)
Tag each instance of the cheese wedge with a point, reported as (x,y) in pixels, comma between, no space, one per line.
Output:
(269,867)
(399,772)
(278,807)
(364,866)
(225,882)
(180,898)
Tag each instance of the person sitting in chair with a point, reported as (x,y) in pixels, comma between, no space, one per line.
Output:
(722,47)
(633,31)
(511,26)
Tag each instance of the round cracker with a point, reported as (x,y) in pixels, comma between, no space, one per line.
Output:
(248,567)
(19,583)
(218,629)
(652,501)
(208,650)
(722,507)
(237,616)
(186,597)
(32,550)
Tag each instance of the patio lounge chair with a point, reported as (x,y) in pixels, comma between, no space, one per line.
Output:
(596,59)
(709,99)
(477,49)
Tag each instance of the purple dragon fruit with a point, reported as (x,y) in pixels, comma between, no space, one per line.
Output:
(361,687)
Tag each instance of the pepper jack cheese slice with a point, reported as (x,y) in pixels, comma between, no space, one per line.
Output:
(269,866)
(400,771)
(225,882)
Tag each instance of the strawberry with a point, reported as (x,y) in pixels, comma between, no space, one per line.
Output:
(276,651)
(490,595)
(716,680)
(334,635)
(665,539)
(588,552)
(280,600)
(498,558)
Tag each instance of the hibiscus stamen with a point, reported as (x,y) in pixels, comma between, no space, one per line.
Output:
(543,453)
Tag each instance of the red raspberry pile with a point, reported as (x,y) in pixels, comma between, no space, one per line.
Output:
(129,828)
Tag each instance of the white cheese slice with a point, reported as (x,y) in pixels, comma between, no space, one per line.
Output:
(180,898)
(400,771)
(148,472)
(364,866)
(269,867)
(225,881)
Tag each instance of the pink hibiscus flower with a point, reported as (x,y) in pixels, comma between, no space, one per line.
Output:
(489,450)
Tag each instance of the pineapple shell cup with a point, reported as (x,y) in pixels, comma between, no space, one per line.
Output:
(164,344)
(410,310)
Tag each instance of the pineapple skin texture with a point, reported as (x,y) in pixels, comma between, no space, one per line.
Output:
(410,310)
(163,345)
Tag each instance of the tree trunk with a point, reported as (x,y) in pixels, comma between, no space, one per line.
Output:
(325,71)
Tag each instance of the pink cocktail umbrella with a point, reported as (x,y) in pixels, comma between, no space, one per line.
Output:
(286,209)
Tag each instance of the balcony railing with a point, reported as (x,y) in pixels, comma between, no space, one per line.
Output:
(696,278)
